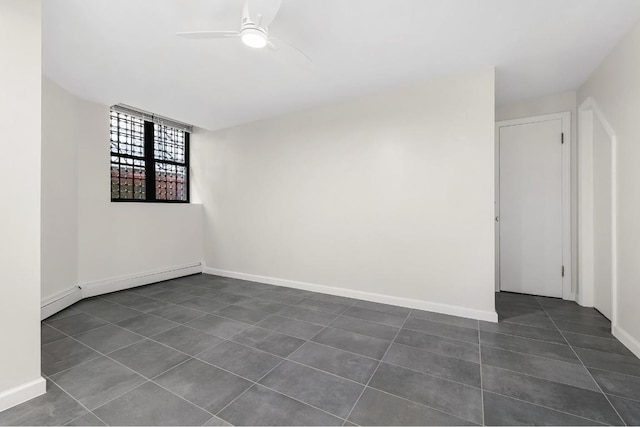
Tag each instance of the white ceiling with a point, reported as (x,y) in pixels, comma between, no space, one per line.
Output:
(126,51)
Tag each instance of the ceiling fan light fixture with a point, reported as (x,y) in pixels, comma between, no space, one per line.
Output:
(254,38)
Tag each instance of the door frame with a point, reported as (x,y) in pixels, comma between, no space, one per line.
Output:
(588,113)
(568,293)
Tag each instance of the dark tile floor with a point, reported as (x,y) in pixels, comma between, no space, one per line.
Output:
(205,350)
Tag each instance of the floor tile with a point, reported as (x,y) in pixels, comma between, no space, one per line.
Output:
(628,409)
(456,399)
(121,297)
(617,384)
(178,313)
(291,327)
(376,408)
(64,354)
(242,290)
(529,346)
(442,330)
(49,334)
(241,360)
(328,392)
(535,318)
(98,381)
(187,340)
(226,298)
(384,308)
(55,407)
(151,405)
(375,316)
(108,338)
(77,323)
(504,411)
(108,311)
(581,328)
(356,343)
(515,298)
(204,304)
(148,358)
(242,314)
(609,361)
(215,421)
(207,386)
(334,299)
(146,305)
(69,311)
(269,341)
(587,319)
(219,326)
(573,400)
(344,363)
(448,347)
(172,296)
(86,420)
(523,331)
(445,318)
(270,307)
(434,364)
(147,290)
(306,315)
(365,327)
(280,297)
(553,370)
(610,345)
(261,406)
(324,306)
(147,325)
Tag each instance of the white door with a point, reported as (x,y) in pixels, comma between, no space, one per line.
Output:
(602,233)
(530,208)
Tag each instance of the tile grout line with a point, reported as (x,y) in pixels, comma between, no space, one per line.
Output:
(376,369)
(147,379)
(584,366)
(269,372)
(324,327)
(545,407)
(80,403)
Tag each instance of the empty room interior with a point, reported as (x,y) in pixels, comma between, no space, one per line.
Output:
(320,212)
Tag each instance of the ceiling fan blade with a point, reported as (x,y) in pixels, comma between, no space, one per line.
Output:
(278,43)
(262,12)
(208,34)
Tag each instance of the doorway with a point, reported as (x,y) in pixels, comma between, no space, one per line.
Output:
(533,253)
(597,211)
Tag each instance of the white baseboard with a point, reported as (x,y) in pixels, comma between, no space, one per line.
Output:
(454,310)
(60,301)
(105,286)
(17,395)
(626,339)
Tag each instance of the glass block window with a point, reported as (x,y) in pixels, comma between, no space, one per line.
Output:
(149,161)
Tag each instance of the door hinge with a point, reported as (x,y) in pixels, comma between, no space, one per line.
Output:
(563,271)
(562,138)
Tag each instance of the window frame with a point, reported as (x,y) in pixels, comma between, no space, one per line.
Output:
(150,165)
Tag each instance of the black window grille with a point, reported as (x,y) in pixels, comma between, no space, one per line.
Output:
(149,161)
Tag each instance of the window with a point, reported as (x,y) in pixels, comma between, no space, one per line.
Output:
(149,158)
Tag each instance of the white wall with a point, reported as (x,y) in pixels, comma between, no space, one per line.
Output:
(117,240)
(87,239)
(615,87)
(20,214)
(59,191)
(387,197)
(549,104)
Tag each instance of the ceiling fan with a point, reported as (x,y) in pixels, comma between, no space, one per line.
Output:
(254,31)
